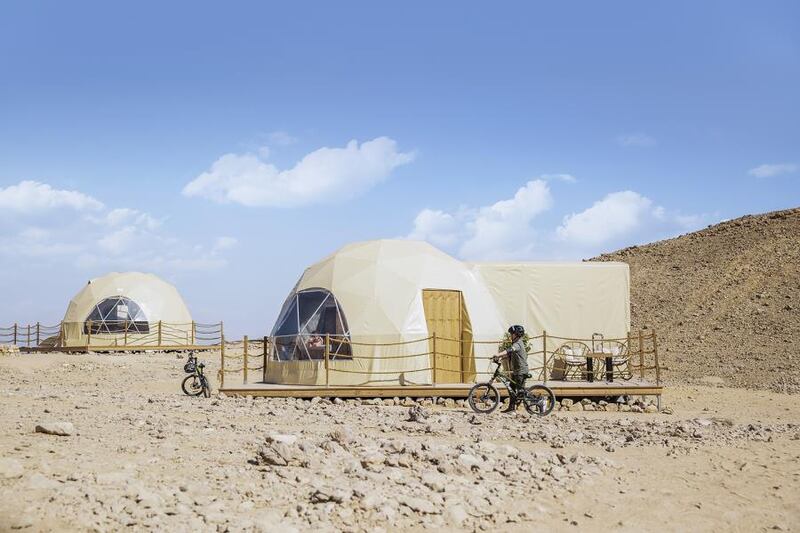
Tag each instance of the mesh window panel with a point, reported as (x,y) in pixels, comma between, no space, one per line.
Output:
(117,315)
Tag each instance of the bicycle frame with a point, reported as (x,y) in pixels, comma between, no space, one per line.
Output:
(505,380)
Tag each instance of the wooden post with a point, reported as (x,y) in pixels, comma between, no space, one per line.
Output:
(641,355)
(327,359)
(125,338)
(434,357)
(28,337)
(38,333)
(89,334)
(159,333)
(61,334)
(544,353)
(222,362)
(194,332)
(264,366)
(655,355)
(244,358)
(15,333)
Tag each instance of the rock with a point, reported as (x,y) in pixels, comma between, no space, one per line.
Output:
(651,409)
(418,505)
(576,407)
(343,436)
(625,408)
(330,495)
(62,429)
(10,468)
(558,472)
(566,403)
(456,514)
(635,409)
(38,481)
(149,499)
(667,410)
(372,458)
(417,414)
(589,407)
(469,461)
(434,481)
(373,500)
(281,438)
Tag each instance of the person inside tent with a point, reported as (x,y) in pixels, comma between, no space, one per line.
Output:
(518,359)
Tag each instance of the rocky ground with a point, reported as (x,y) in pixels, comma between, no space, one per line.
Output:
(99,442)
(725,301)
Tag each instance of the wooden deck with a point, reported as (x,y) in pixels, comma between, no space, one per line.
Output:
(451,390)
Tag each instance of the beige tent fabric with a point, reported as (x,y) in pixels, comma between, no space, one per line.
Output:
(159,301)
(567,300)
(379,286)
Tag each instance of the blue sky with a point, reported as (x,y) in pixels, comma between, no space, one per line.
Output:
(226,147)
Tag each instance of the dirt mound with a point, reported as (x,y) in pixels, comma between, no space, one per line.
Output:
(725,301)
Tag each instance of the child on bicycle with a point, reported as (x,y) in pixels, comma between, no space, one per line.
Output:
(518,359)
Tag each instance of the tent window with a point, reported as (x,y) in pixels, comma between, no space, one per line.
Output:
(117,315)
(306,317)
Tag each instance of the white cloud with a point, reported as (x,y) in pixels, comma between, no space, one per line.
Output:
(224,243)
(568,178)
(32,196)
(498,231)
(501,229)
(617,214)
(768,171)
(437,227)
(325,175)
(124,215)
(636,139)
(281,138)
(114,238)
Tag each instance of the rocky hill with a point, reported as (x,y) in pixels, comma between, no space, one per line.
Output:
(725,301)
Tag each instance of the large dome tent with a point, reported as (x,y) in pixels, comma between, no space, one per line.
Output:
(380,303)
(130,308)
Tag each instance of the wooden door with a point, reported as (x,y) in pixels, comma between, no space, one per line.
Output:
(446,317)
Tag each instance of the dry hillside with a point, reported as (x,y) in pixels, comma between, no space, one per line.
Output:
(725,301)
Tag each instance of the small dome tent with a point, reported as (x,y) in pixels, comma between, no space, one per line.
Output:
(126,308)
(401,311)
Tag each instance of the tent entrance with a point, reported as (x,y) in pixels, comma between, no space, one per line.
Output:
(447,317)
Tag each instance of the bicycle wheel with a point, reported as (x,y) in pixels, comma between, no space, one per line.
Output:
(206,387)
(483,398)
(539,400)
(192,385)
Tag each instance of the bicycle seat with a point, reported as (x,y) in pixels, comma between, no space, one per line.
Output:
(202,365)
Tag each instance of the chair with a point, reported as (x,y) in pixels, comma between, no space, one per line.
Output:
(620,358)
(574,354)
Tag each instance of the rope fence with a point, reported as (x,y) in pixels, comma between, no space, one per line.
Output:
(551,357)
(113,335)
(559,358)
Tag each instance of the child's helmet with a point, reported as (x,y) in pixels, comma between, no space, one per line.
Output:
(516,330)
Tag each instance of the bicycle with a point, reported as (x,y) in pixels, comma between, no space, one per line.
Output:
(196,382)
(484,397)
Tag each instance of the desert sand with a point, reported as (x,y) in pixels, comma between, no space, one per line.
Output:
(142,455)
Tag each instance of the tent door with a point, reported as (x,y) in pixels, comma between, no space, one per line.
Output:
(446,316)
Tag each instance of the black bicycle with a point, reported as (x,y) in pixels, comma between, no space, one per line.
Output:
(196,382)
(484,397)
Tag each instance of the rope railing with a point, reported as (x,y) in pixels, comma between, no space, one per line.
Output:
(113,335)
(604,358)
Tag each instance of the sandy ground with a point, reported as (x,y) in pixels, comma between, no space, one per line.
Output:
(145,456)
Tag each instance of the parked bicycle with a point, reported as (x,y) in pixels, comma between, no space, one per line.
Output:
(196,382)
(484,397)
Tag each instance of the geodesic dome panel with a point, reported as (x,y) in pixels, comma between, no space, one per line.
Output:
(306,318)
(116,315)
